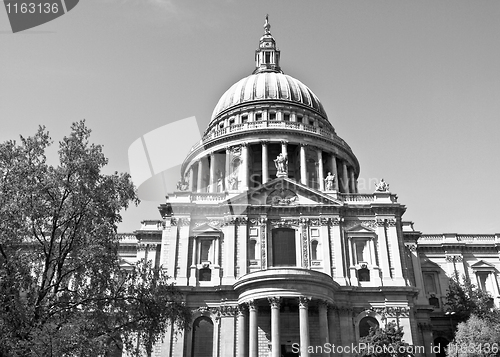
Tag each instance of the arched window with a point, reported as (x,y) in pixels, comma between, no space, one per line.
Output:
(203,337)
(365,324)
(251,249)
(284,247)
(314,250)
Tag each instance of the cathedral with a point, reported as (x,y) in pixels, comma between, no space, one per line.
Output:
(276,251)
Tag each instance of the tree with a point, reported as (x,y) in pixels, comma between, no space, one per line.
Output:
(62,292)
(464,299)
(387,341)
(477,337)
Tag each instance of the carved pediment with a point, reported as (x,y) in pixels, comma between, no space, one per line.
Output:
(361,228)
(208,227)
(482,265)
(430,265)
(283,191)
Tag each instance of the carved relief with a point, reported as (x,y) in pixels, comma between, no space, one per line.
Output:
(281,197)
(335,221)
(274,301)
(304,301)
(411,246)
(305,253)
(372,224)
(454,258)
(263,246)
(278,223)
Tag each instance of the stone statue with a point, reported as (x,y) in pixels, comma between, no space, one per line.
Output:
(281,163)
(382,186)
(329,181)
(233,181)
(182,185)
(220,187)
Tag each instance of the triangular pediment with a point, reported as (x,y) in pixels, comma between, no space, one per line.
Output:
(284,192)
(360,228)
(207,227)
(429,264)
(482,265)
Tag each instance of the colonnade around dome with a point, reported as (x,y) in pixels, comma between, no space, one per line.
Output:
(251,163)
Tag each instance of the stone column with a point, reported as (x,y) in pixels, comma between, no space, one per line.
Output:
(200,176)
(275,326)
(183,251)
(265,162)
(384,256)
(227,168)
(303,165)
(393,243)
(212,173)
(253,330)
(321,173)
(244,167)
(242,331)
(229,230)
(191,179)
(194,261)
(323,325)
(352,181)
(337,252)
(304,325)
(334,172)
(345,179)
(419,279)
(334,324)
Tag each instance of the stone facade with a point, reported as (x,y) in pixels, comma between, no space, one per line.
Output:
(275,249)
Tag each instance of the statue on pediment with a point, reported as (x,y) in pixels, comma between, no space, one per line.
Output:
(382,186)
(182,185)
(281,163)
(329,182)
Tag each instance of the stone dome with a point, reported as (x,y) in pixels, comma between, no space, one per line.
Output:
(268,86)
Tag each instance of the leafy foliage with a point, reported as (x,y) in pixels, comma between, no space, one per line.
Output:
(62,292)
(477,337)
(464,299)
(385,342)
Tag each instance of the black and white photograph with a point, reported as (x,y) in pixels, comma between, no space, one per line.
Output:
(228,178)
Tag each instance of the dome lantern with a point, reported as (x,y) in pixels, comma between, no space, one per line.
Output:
(267,56)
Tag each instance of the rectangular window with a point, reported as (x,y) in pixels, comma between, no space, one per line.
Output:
(267,57)
(244,119)
(205,248)
(284,247)
(360,247)
(286,117)
(272,116)
(299,119)
(482,279)
(258,116)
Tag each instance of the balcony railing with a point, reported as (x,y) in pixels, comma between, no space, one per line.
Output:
(271,124)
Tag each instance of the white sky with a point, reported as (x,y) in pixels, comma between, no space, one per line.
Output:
(412,86)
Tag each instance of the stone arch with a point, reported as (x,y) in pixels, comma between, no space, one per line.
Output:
(366,319)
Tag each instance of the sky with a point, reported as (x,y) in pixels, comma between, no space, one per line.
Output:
(412,86)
